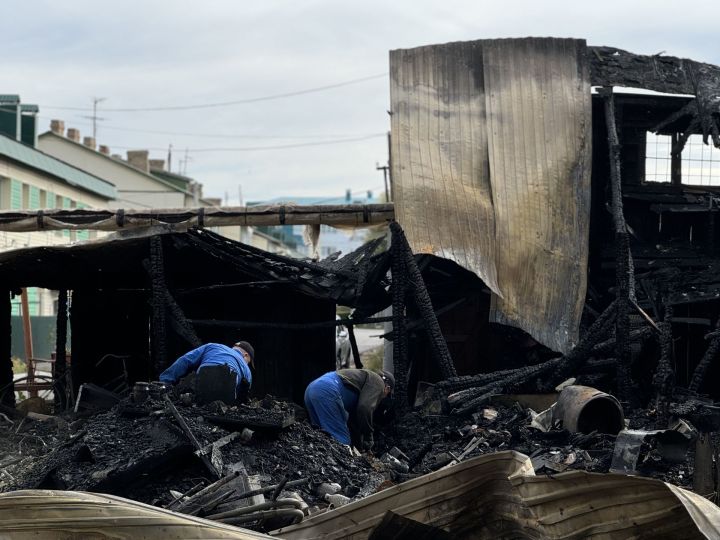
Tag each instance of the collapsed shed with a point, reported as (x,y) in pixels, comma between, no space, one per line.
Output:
(138,301)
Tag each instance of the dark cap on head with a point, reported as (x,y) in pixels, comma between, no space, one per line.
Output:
(389,379)
(244,345)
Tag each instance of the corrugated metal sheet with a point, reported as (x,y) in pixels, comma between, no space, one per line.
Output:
(39,513)
(491,168)
(440,169)
(578,504)
(498,496)
(38,160)
(473,499)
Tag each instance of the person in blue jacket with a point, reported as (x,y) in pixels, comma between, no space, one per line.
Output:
(342,403)
(238,358)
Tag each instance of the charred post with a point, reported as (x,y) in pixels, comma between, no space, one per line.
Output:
(664,378)
(60,365)
(158,335)
(400,345)
(6,369)
(424,304)
(623,258)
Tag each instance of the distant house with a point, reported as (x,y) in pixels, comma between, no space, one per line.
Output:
(141,182)
(32,180)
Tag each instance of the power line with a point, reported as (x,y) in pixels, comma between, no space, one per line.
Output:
(256,148)
(208,135)
(221,135)
(227,103)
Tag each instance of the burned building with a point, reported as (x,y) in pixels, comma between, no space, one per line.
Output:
(137,301)
(558,193)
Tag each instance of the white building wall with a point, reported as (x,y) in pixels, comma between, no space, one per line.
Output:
(48,192)
(135,189)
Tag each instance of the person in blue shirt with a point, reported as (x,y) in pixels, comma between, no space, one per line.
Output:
(238,358)
(342,403)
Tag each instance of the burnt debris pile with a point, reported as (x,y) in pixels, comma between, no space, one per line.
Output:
(200,460)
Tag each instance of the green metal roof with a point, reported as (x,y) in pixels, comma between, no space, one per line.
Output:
(9,98)
(35,159)
(179,181)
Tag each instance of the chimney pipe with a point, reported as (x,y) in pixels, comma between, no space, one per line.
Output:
(105,150)
(89,142)
(57,127)
(73,134)
(157,164)
(139,159)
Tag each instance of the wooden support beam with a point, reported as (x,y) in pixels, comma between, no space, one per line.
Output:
(346,215)
(60,365)
(6,372)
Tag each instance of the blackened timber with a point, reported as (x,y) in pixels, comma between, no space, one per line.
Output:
(424,304)
(624,271)
(60,365)
(708,358)
(182,326)
(158,340)
(615,67)
(401,368)
(354,346)
(664,378)
(289,326)
(354,215)
(224,286)
(476,390)
(6,370)
(191,436)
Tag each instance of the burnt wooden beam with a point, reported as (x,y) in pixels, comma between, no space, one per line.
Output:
(60,365)
(6,370)
(354,346)
(615,67)
(289,326)
(399,288)
(182,326)
(416,284)
(624,270)
(158,327)
(346,215)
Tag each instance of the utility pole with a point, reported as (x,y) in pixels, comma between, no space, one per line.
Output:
(184,163)
(169,160)
(94,117)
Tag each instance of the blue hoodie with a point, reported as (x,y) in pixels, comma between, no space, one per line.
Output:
(210,354)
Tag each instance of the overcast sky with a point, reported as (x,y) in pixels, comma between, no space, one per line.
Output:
(149,53)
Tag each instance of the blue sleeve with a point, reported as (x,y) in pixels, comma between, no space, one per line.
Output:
(187,363)
(246,373)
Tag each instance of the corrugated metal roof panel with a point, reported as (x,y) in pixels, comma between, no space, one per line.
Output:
(44,513)
(38,160)
(491,169)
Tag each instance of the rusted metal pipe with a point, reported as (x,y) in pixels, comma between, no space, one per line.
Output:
(585,409)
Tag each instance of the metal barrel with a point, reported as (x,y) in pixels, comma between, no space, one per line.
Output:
(585,409)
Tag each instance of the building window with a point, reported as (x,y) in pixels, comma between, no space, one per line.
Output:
(16,194)
(33,198)
(33,295)
(697,165)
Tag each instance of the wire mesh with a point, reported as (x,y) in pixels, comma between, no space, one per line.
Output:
(700,163)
